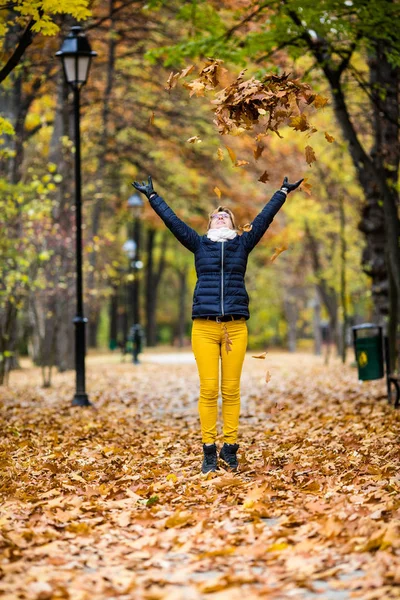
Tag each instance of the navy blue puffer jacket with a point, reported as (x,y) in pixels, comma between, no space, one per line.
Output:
(220,266)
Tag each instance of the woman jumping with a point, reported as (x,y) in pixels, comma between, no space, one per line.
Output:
(220,311)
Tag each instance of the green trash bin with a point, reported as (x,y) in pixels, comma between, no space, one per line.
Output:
(368,348)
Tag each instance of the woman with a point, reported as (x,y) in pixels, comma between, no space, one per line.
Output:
(220,311)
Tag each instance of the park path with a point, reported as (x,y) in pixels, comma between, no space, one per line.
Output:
(109,503)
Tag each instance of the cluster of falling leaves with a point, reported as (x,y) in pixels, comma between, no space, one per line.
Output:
(110,503)
(272,102)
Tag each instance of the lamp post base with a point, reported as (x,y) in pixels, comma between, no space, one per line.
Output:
(81,400)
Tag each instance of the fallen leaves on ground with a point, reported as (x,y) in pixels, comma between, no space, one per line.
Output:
(109,502)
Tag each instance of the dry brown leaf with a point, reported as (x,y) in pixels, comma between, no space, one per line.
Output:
(172,81)
(220,154)
(306,187)
(263,355)
(151,120)
(310,155)
(264,177)
(227,339)
(186,71)
(329,138)
(258,151)
(320,101)
(299,123)
(267,377)
(241,163)
(194,140)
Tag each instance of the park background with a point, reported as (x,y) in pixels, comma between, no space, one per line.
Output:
(108,501)
(340,267)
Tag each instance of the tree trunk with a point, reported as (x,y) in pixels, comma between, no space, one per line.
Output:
(327,294)
(343,292)
(317,324)
(291,313)
(153,278)
(98,202)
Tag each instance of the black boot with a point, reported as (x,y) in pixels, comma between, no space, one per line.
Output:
(228,455)
(210,458)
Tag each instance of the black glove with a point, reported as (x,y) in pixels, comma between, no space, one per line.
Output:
(145,188)
(289,187)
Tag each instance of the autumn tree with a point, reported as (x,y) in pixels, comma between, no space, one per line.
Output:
(352,45)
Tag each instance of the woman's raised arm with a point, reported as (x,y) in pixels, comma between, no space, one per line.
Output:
(183,233)
(264,219)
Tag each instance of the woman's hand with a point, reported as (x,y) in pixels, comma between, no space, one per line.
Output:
(145,188)
(289,187)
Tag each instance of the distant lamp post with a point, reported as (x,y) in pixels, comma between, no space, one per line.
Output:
(76,56)
(136,204)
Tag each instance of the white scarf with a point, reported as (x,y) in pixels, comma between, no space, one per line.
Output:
(221,234)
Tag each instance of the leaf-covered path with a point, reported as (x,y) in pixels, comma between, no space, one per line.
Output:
(109,503)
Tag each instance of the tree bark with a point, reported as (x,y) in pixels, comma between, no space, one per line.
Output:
(153,277)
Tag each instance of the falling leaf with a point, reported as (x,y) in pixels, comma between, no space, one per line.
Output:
(320,101)
(241,163)
(151,120)
(246,227)
(278,251)
(194,140)
(227,339)
(232,155)
(220,154)
(186,71)
(299,123)
(258,151)
(217,191)
(172,81)
(310,155)
(329,138)
(263,355)
(264,177)
(306,187)
(195,87)
(267,377)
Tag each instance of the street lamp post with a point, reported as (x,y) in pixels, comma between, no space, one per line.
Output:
(76,56)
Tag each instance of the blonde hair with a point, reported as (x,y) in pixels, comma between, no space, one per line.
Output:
(222,209)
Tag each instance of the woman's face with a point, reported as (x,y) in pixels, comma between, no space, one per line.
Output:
(221,219)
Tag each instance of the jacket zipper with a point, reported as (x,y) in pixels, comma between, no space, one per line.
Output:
(222,279)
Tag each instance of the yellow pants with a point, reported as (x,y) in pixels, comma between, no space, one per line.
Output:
(209,345)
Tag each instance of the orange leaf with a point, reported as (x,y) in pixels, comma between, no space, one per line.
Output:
(306,187)
(329,138)
(267,377)
(231,153)
(246,227)
(310,155)
(217,191)
(278,251)
(241,163)
(264,177)
(263,355)
(320,101)
(151,120)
